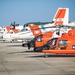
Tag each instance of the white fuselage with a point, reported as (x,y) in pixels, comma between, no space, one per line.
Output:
(28,34)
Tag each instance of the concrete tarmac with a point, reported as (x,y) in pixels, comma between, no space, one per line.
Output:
(18,60)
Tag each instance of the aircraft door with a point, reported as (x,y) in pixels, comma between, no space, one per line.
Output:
(53,43)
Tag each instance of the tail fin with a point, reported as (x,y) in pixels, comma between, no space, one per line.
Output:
(36,30)
(7,28)
(61,16)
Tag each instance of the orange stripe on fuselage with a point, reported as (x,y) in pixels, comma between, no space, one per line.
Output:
(61,13)
(35,30)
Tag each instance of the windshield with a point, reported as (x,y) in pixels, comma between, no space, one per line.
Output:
(23,30)
(10,32)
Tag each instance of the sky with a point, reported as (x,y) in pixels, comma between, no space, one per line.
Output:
(24,11)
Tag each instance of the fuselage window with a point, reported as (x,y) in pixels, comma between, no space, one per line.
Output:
(62,44)
(39,39)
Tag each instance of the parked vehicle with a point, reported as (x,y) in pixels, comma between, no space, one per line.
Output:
(62,45)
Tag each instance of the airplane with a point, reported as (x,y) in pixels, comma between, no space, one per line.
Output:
(61,17)
(5,29)
(11,32)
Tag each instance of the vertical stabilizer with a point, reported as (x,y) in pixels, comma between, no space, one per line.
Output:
(61,16)
(35,30)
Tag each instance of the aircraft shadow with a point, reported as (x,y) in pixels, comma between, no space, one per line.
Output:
(53,56)
(14,45)
(50,55)
(16,52)
(40,54)
(31,51)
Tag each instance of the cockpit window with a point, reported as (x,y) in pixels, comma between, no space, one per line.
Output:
(10,32)
(23,30)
